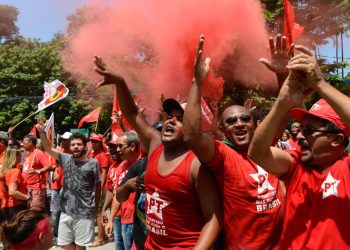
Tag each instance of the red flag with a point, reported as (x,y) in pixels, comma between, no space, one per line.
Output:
(91,117)
(33,131)
(292,30)
(116,109)
(116,131)
(207,115)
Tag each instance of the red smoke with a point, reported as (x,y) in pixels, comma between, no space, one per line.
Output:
(153,43)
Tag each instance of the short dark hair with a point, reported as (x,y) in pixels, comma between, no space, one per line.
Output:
(31,138)
(333,129)
(80,136)
(132,138)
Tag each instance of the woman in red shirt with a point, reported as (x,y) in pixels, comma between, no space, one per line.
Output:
(17,197)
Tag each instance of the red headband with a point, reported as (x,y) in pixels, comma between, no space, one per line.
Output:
(29,243)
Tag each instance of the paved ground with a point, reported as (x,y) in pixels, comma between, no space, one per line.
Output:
(109,246)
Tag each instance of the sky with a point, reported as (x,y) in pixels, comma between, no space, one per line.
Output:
(43,18)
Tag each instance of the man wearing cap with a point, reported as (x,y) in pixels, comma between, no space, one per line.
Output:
(182,204)
(102,159)
(317,178)
(252,199)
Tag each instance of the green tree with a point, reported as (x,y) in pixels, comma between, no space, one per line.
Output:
(8,18)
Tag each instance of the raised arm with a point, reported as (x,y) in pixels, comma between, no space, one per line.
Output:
(45,142)
(273,159)
(280,55)
(201,144)
(147,134)
(307,63)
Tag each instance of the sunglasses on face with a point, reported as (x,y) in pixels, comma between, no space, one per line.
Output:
(121,145)
(233,119)
(308,131)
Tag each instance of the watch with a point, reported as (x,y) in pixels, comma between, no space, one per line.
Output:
(37,171)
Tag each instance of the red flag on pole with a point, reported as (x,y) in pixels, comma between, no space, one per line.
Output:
(116,109)
(292,30)
(33,131)
(91,117)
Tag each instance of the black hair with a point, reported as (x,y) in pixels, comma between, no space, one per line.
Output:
(80,136)
(32,139)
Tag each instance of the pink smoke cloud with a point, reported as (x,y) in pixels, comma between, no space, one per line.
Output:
(153,43)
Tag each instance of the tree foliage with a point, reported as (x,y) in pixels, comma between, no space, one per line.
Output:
(8,18)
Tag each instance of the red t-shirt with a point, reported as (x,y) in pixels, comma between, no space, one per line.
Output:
(294,144)
(173,214)
(317,206)
(57,184)
(101,158)
(36,160)
(14,176)
(112,176)
(253,201)
(127,208)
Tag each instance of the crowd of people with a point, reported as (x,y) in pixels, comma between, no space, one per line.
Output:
(260,179)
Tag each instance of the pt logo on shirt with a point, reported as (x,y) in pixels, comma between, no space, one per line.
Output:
(262,177)
(155,207)
(266,198)
(330,186)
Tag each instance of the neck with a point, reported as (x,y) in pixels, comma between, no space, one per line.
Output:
(31,149)
(171,151)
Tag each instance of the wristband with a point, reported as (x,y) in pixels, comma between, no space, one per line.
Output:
(37,171)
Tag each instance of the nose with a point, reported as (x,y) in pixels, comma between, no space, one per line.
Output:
(239,124)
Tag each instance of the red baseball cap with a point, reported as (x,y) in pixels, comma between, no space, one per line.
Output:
(95,137)
(115,142)
(323,110)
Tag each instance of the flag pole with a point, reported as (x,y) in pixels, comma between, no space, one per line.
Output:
(96,125)
(107,130)
(24,120)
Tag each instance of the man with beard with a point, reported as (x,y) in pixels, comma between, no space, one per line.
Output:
(317,178)
(177,188)
(295,128)
(252,199)
(81,191)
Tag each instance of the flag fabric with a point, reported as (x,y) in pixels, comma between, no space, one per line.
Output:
(33,131)
(50,129)
(292,30)
(116,109)
(91,117)
(116,131)
(206,112)
(54,91)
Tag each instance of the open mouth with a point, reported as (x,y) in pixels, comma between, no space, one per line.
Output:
(169,130)
(240,134)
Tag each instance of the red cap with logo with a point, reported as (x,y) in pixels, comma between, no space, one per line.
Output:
(95,137)
(323,110)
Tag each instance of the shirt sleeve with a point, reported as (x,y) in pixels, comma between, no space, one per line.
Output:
(134,170)
(103,161)
(219,155)
(43,159)
(63,159)
(296,160)
(13,176)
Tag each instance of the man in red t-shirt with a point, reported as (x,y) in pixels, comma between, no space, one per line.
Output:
(317,178)
(252,199)
(184,218)
(128,149)
(35,165)
(295,128)
(103,162)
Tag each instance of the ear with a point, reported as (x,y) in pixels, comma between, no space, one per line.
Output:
(41,237)
(338,140)
(132,147)
(258,122)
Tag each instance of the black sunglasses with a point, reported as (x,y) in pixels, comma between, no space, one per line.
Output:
(243,118)
(308,131)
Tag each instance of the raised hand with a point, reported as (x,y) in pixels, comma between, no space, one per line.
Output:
(279,55)
(201,66)
(110,77)
(40,126)
(305,62)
